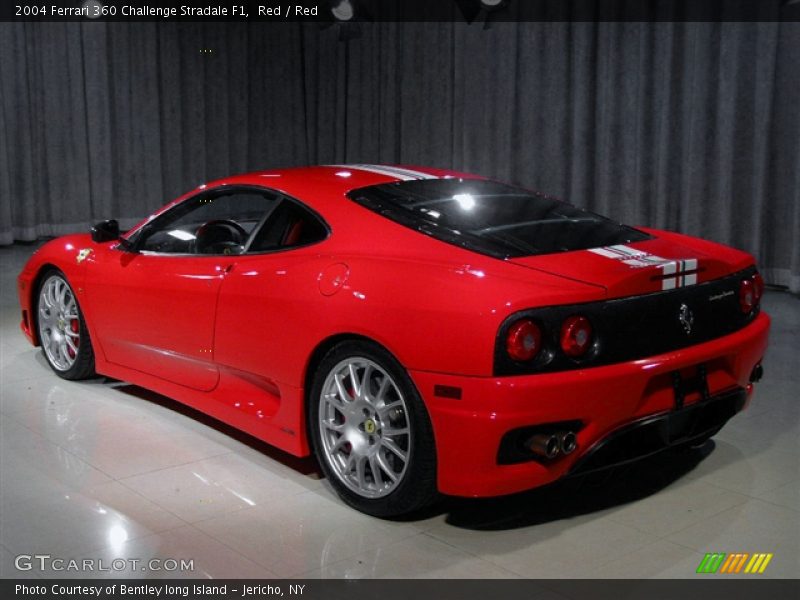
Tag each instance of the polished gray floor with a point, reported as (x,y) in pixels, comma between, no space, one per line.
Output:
(103,470)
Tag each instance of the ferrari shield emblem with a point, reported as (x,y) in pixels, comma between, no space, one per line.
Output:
(84,252)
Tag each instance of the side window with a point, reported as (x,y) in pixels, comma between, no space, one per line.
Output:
(215,222)
(290,225)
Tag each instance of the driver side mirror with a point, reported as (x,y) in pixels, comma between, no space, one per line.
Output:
(105,231)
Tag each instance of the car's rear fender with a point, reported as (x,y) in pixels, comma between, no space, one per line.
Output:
(435,317)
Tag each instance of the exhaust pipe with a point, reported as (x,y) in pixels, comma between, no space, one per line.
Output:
(545,445)
(567,442)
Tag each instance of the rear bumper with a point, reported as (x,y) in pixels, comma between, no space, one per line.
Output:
(655,433)
(636,396)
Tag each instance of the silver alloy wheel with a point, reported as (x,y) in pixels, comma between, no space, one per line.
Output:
(364,427)
(59,323)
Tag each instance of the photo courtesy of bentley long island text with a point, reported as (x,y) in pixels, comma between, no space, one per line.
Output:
(631,340)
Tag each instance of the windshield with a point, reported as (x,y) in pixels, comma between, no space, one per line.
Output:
(493,218)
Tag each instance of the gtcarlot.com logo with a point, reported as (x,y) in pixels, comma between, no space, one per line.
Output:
(45,562)
(734,562)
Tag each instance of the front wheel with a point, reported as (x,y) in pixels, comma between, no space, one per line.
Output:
(62,331)
(371,432)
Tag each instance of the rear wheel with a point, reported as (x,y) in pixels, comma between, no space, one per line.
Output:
(371,431)
(62,331)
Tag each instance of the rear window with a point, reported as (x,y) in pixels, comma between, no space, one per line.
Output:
(493,218)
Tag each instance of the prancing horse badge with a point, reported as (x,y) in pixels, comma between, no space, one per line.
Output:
(686,317)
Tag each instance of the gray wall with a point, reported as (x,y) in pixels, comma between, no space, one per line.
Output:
(693,127)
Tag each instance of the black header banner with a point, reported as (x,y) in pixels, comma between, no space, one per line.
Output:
(544,589)
(326,11)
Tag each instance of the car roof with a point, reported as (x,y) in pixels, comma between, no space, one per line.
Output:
(323,189)
(312,184)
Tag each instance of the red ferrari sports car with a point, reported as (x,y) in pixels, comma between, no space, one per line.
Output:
(418,330)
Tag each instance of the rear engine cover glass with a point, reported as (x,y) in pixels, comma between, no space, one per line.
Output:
(493,218)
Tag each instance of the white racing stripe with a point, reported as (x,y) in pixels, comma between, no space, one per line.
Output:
(675,273)
(630,256)
(389,171)
(407,172)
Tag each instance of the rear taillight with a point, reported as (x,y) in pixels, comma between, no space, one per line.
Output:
(576,336)
(758,287)
(524,340)
(747,295)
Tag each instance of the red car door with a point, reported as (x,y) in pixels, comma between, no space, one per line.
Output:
(155,313)
(268,294)
(153,305)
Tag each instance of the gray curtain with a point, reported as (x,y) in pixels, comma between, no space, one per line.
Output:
(692,127)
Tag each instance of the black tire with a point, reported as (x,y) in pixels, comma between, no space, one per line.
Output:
(416,487)
(82,366)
